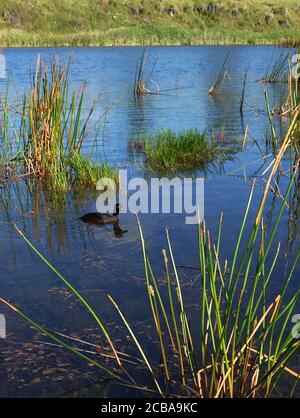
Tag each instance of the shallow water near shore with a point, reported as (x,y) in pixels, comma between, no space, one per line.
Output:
(96,261)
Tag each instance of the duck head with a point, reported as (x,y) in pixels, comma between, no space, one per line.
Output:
(117,209)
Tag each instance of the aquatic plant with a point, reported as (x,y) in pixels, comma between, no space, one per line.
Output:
(277,69)
(141,80)
(244,349)
(215,88)
(242,101)
(289,103)
(48,139)
(289,106)
(170,152)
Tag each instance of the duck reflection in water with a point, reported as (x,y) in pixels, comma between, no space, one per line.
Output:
(101,219)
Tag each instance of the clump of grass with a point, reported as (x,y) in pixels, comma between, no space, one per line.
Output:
(169,152)
(48,141)
(83,172)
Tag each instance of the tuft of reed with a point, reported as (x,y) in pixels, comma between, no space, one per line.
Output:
(142,80)
(48,140)
(290,98)
(170,152)
(243,344)
(215,88)
(291,105)
(242,101)
(277,69)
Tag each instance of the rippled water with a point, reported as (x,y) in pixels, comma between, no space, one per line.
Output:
(95,260)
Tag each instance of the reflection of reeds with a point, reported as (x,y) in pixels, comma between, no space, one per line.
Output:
(215,88)
(47,141)
(42,211)
(294,216)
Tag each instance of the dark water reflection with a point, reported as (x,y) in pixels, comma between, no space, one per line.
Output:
(96,260)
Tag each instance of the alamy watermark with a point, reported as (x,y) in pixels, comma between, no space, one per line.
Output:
(295,66)
(2,65)
(157,195)
(296,327)
(2,326)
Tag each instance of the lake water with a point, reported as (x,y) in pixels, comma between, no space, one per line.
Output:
(93,259)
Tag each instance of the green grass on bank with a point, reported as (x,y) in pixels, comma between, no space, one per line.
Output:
(138,22)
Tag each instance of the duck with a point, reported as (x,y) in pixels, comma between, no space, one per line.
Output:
(97,218)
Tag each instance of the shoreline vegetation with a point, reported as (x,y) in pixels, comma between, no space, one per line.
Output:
(137,22)
(123,37)
(44,138)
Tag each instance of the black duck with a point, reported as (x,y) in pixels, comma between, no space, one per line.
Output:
(96,218)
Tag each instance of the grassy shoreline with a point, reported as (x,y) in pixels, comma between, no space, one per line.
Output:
(142,37)
(137,22)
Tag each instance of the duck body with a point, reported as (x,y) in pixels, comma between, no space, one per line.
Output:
(97,218)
